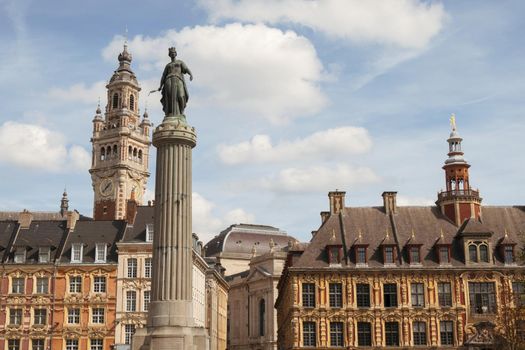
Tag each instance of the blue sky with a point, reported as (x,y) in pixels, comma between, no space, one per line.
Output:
(291,99)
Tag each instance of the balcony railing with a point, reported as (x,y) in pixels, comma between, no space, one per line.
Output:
(458,193)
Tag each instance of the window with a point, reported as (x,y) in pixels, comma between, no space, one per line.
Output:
(336,294)
(308,294)
(20,255)
(262,317)
(334,255)
(76,252)
(392,334)
(18,285)
(482,297)
(309,336)
(336,334)
(38,344)
(149,233)
(13,344)
(96,344)
(42,285)
(147,267)
(147,299)
(418,294)
(75,284)
(73,316)
(446,332)
(419,330)
(508,252)
(115,100)
(360,256)
(131,300)
(363,295)
(390,295)
(99,284)
(98,315)
(444,257)
(518,288)
(44,255)
(15,316)
(100,252)
(414,255)
(132,102)
(483,253)
(132,268)
(444,294)
(40,316)
(389,255)
(71,344)
(129,330)
(364,334)
(473,253)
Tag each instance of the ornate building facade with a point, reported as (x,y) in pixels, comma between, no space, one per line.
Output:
(405,277)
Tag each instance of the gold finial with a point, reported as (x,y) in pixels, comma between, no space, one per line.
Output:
(360,235)
(272,245)
(453,121)
(333,234)
(126,36)
(413,234)
(387,234)
(506,234)
(442,235)
(254,251)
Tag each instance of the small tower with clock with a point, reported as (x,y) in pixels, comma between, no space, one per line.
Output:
(121,141)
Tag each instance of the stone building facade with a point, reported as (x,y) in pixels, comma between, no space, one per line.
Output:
(405,277)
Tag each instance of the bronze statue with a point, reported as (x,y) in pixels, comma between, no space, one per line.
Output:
(173,86)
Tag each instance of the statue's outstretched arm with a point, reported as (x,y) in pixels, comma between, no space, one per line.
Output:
(162,79)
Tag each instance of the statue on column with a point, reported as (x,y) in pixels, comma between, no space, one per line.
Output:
(173,86)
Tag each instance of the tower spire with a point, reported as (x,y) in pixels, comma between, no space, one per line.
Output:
(64,203)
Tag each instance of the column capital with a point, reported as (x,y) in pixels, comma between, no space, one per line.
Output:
(174,130)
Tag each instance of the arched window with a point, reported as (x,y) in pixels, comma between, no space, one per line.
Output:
(115,151)
(115,100)
(140,156)
(262,317)
(473,253)
(108,152)
(130,153)
(102,153)
(483,253)
(132,102)
(135,154)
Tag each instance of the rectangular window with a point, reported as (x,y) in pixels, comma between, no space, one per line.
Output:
(363,295)
(389,255)
(40,316)
(445,294)
(44,255)
(42,285)
(509,254)
(419,331)
(76,252)
(129,330)
(99,284)
(98,315)
(392,334)
(482,297)
(147,299)
(414,255)
(96,344)
(20,255)
(334,255)
(131,300)
(446,332)
(100,252)
(71,344)
(15,316)
(364,334)
(417,294)
(518,288)
(37,344)
(75,284)
(308,294)
(336,294)
(147,267)
(444,257)
(390,295)
(309,335)
(17,286)
(149,232)
(336,334)
(360,257)
(73,316)
(132,268)
(13,344)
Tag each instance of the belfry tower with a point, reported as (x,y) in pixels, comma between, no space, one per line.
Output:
(459,201)
(121,141)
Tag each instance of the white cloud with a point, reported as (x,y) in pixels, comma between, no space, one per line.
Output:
(414,201)
(319,178)
(403,23)
(80,93)
(33,146)
(250,69)
(322,145)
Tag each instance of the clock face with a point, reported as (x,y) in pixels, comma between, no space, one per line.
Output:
(106,187)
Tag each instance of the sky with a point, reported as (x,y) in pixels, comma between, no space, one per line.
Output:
(291,99)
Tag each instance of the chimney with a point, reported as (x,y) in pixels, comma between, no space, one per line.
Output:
(131,209)
(72,218)
(337,201)
(25,218)
(390,202)
(324,216)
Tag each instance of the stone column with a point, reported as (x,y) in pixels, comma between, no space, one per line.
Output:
(170,319)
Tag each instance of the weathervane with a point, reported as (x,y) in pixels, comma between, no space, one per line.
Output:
(453,121)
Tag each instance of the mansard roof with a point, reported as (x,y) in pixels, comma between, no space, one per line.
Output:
(137,232)
(368,225)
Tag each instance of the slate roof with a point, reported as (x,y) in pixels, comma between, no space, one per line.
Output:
(137,231)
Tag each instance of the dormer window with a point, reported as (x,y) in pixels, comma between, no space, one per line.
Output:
(20,255)
(508,253)
(44,255)
(360,255)
(149,232)
(101,250)
(76,252)
(414,255)
(478,251)
(444,255)
(388,254)
(334,254)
